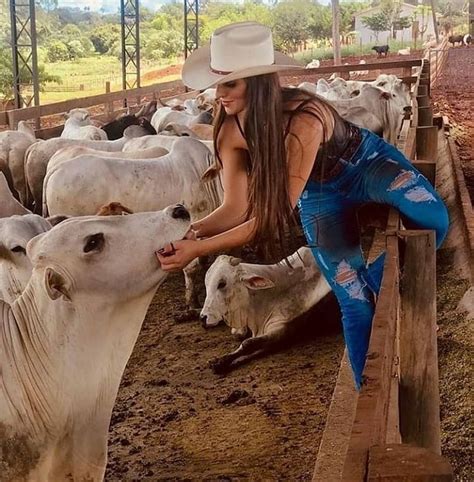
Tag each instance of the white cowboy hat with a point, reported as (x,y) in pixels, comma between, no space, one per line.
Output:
(236,51)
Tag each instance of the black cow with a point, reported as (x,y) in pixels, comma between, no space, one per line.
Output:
(454,39)
(115,128)
(381,49)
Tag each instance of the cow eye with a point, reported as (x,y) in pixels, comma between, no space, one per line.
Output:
(94,242)
(221,285)
(19,249)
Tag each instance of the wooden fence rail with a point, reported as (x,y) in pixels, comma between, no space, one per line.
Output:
(12,117)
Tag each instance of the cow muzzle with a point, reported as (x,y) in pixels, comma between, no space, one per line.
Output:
(180,212)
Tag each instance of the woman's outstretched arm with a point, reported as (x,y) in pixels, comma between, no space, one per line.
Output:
(302,145)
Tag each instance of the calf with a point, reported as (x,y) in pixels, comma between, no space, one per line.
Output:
(261,299)
(381,50)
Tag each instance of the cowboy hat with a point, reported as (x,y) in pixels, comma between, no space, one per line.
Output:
(236,51)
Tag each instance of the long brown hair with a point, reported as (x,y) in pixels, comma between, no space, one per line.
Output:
(265,133)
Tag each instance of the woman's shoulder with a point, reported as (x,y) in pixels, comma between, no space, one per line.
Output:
(230,135)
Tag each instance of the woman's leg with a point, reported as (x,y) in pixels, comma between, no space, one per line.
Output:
(387,177)
(330,225)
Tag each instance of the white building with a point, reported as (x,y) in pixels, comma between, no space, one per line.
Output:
(370,37)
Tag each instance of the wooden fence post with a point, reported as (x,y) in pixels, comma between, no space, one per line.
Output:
(422,90)
(425,116)
(427,143)
(419,384)
(405,462)
(109,106)
(423,100)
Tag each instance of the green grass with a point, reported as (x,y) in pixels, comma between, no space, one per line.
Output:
(92,73)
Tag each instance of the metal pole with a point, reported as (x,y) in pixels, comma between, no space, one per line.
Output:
(24,55)
(130,22)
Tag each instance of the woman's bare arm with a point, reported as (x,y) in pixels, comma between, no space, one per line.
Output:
(302,146)
(233,210)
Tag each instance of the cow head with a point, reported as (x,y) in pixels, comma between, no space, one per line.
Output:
(229,287)
(15,232)
(90,258)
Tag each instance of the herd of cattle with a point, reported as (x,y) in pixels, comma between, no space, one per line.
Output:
(75,285)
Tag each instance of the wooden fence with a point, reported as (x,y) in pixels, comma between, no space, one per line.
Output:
(390,430)
(106,101)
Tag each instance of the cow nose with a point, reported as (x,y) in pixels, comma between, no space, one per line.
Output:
(203,319)
(180,212)
(407,109)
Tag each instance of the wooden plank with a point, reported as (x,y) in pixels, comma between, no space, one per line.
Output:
(370,423)
(393,64)
(419,384)
(404,462)
(427,143)
(427,168)
(335,440)
(410,144)
(64,106)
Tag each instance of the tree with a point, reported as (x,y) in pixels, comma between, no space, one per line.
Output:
(377,23)
(57,51)
(320,22)
(291,24)
(105,37)
(6,76)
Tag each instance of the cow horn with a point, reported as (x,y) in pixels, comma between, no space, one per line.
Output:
(159,101)
(234,261)
(140,112)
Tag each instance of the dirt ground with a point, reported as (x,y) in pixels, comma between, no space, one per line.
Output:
(176,420)
(453,96)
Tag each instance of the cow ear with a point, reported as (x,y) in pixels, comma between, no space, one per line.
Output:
(254,282)
(55,285)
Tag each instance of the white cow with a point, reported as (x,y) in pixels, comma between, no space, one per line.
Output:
(314,64)
(8,204)
(71,152)
(66,340)
(160,140)
(167,115)
(38,155)
(261,299)
(373,109)
(15,266)
(84,184)
(206,98)
(78,125)
(13,146)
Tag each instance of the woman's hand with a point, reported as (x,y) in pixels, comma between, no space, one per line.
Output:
(191,234)
(178,254)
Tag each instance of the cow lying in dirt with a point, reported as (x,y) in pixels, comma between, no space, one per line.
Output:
(65,341)
(260,299)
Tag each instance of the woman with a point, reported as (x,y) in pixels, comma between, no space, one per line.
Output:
(280,147)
